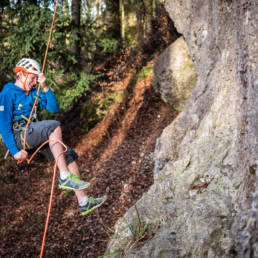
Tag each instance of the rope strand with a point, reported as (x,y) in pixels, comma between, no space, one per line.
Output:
(51,193)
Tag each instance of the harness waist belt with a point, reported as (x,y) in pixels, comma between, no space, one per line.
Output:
(18,125)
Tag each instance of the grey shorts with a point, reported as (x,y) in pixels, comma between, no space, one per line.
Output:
(38,133)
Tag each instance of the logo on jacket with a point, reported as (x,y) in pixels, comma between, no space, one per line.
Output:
(1,108)
(20,107)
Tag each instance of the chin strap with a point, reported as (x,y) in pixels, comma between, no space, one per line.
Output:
(24,84)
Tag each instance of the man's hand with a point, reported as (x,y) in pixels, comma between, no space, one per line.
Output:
(42,82)
(21,155)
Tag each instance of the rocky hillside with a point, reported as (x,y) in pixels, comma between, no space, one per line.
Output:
(204,200)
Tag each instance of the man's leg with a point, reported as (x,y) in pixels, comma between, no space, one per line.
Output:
(56,148)
(73,168)
(67,179)
(86,205)
(41,131)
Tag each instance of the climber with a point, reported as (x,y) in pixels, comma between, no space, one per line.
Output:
(16,102)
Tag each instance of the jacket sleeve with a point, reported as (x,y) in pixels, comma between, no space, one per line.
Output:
(49,101)
(6,113)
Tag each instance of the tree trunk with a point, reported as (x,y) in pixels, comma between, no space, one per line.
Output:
(150,5)
(66,8)
(122,19)
(98,7)
(113,18)
(145,14)
(140,14)
(35,2)
(89,11)
(46,2)
(3,4)
(76,10)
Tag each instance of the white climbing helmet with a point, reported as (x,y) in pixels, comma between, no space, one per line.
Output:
(28,65)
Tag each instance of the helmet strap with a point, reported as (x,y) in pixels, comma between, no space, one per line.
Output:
(24,84)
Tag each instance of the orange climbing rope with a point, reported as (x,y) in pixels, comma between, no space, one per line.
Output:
(48,141)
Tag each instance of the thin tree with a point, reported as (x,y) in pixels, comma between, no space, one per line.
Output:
(145,14)
(75,26)
(4,4)
(35,2)
(113,18)
(140,14)
(122,19)
(99,11)
(66,8)
(46,2)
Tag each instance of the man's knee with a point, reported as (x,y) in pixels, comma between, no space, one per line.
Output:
(49,127)
(56,133)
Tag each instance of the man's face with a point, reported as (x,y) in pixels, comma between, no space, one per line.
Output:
(30,81)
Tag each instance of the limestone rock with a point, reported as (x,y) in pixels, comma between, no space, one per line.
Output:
(204,200)
(175,75)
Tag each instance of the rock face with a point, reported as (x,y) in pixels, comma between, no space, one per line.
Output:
(175,75)
(204,200)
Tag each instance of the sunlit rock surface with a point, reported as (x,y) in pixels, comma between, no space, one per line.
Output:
(175,75)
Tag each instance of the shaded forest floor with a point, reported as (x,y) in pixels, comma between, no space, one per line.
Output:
(115,156)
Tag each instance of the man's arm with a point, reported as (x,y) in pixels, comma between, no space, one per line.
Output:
(49,100)
(6,123)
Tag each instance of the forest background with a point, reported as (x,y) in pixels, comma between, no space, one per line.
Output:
(85,33)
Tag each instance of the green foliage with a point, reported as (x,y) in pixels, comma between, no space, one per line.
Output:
(116,253)
(145,72)
(81,84)
(138,228)
(67,193)
(88,111)
(27,36)
(84,231)
(28,33)
(3,228)
(108,45)
(104,103)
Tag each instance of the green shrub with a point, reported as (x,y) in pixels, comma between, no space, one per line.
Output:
(81,84)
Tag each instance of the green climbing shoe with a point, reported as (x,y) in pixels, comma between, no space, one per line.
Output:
(73,182)
(92,204)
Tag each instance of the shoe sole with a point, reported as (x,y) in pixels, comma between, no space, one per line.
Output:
(63,187)
(93,208)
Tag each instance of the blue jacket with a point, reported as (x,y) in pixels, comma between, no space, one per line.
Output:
(13,103)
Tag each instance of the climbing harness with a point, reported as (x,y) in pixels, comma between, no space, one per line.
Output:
(19,126)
